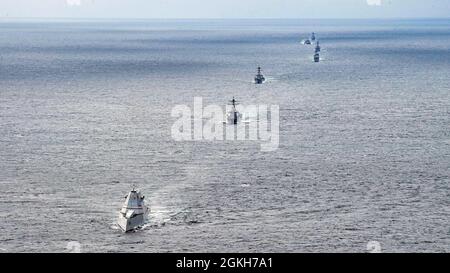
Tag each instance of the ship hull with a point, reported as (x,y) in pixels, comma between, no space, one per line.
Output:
(233,117)
(316,58)
(260,80)
(130,224)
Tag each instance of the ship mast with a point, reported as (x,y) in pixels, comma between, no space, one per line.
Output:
(233,102)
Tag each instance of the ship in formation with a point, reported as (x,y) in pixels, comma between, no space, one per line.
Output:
(259,78)
(134,212)
(313,39)
(233,116)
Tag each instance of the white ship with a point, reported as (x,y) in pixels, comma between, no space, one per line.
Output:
(134,212)
(306,42)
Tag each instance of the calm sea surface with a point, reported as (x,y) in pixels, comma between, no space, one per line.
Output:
(364,135)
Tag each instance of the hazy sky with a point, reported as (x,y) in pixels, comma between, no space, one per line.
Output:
(225,8)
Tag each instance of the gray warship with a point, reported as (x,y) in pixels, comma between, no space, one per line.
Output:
(134,211)
(259,78)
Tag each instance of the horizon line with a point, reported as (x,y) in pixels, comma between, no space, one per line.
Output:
(224,18)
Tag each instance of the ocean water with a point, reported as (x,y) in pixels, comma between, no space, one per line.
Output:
(364,149)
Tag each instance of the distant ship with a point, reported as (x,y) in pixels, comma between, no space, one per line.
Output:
(313,37)
(317,50)
(233,116)
(316,57)
(306,42)
(259,78)
(134,212)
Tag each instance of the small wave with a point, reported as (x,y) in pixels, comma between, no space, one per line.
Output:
(159,212)
(114,227)
(271,79)
(133,243)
